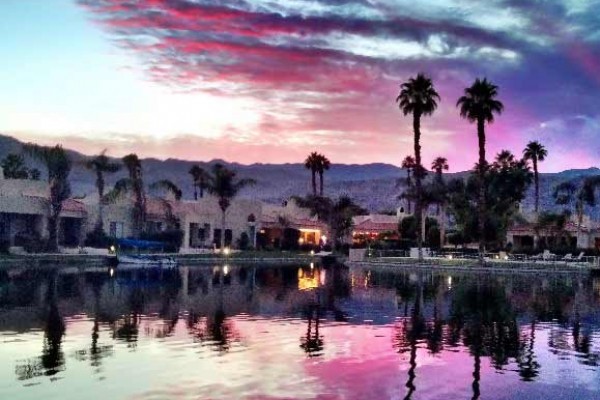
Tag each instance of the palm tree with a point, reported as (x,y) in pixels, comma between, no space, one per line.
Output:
(479,104)
(535,152)
(101,165)
(58,164)
(223,184)
(323,165)
(439,165)
(312,163)
(199,175)
(409,165)
(419,98)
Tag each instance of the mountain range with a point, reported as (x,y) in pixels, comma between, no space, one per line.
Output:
(374,186)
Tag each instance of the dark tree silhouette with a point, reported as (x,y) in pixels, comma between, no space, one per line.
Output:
(419,98)
(479,104)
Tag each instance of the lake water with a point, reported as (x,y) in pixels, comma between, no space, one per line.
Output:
(232,332)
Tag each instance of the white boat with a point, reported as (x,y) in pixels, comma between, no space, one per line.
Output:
(150,260)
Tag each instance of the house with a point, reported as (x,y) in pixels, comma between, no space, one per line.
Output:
(373,225)
(257,223)
(586,236)
(24,212)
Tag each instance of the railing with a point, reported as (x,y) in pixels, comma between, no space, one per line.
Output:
(377,254)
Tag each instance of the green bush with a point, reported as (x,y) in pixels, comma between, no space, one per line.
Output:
(243,243)
(98,239)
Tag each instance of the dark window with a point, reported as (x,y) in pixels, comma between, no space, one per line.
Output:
(228,237)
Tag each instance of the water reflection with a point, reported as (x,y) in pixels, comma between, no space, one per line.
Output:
(417,326)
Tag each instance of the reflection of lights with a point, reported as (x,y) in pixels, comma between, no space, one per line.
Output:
(312,265)
(449,282)
(111,272)
(322,277)
(308,280)
(215,270)
(225,269)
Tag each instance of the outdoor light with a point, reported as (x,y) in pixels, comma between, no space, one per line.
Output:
(449,256)
(312,252)
(111,272)
(225,269)
(301,241)
(226,251)
(112,249)
(324,239)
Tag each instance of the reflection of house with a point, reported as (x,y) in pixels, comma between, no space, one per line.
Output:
(374,225)
(24,211)
(586,237)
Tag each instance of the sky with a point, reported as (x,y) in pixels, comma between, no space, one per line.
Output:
(272,80)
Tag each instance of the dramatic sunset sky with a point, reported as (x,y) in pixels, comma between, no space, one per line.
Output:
(271,80)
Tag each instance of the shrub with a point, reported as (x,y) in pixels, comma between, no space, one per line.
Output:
(31,242)
(243,243)
(98,239)
(4,246)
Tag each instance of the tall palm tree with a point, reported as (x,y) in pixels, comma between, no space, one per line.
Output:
(479,104)
(535,152)
(58,164)
(323,165)
(312,163)
(419,98)
(409,165)
(200,176)
(225,186)
(439,165)
(101,165)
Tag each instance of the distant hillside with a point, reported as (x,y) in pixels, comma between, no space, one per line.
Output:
(372,185)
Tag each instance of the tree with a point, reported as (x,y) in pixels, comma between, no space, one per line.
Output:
(409,165)
(479,104)
(13,166)
(419,98)
(312,163)
(535,152)
(101,165)
(58,164)
(439,165)
(223,184)
(323,165)
(200,177)
(569,193)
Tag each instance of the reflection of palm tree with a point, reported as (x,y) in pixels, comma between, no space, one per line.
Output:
(312,343)
(52,355)
(528,365)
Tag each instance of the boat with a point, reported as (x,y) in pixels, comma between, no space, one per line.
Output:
(143,260)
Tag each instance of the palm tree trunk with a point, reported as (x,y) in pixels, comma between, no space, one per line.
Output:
(321,183)
(537,186)
(418,169)
(443,225)
(100,186)
(314,182)
(481,205)
(53,233)
(195,191)
(223,229)
(408,185)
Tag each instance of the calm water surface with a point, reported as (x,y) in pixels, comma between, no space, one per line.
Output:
(297,333)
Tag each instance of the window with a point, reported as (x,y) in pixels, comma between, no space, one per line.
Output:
(116,229)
